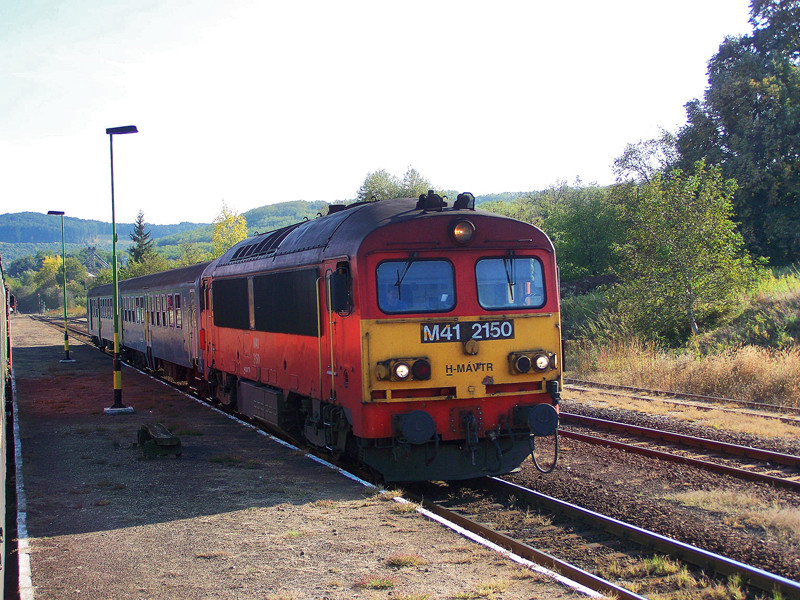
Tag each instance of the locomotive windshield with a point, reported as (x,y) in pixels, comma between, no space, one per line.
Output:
(415,286)
(510,282)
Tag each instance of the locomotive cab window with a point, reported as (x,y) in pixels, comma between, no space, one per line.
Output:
(416,286)
(510,282)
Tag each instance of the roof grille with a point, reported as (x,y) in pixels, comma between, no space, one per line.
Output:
(266,245)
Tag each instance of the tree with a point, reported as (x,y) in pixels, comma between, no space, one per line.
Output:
(585,227)
(413,184)
(229,228)
(642,160)
(191,254)
(749,123)
(683,261)
(142,241)
(382,185)
(153,262)
(378,185)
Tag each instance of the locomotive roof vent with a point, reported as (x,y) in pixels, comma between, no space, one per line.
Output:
(431,201)
(265,245)
(464,200)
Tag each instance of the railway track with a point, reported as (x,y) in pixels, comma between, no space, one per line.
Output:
(649,540)
(583,526)
(592,584)
(653,541)
(766,466)
(789,414)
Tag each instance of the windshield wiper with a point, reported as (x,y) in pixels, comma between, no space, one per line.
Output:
(406,267)
(508,265)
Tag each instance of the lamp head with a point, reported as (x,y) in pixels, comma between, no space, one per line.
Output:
(121,130)
(55,212)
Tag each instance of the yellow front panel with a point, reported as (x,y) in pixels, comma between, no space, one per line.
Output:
(452,368)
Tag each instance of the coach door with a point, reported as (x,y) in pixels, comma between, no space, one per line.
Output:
(338,300)
(191,325)
(148,329)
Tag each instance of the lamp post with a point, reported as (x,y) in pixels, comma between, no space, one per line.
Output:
(117,407)
(60,213)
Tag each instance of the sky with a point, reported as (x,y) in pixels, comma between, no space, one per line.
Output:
(252,102)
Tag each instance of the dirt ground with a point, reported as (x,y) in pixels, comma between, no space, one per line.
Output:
(237,516)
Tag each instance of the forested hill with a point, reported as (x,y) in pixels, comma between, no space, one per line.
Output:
(39,228)
(36,228)
(25,233)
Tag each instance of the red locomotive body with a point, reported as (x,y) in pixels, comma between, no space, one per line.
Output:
(424,341)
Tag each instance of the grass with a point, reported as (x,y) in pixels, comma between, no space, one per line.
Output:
(748,373)
(405,560)
(235,461)
(485,590)
(717,419)
(747,510)
(670,580)
(755,355)
(652,566)
(404,508)
(294,534)
(375,583)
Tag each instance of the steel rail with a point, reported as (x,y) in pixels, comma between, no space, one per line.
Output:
(694,462)
(780,458)
(704,559)
(628,388)
(570,571)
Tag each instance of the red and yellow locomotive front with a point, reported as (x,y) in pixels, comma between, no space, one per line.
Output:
(460,344)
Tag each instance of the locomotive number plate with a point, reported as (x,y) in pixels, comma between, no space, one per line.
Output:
(463,331)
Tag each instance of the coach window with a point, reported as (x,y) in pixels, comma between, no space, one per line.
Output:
(510,282)
(163,307)
(178,311)
(415,286)
(170,309)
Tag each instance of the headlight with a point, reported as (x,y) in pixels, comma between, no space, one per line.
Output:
(404,369)
(541,362)
(531,361)
(462,231)
(401,371)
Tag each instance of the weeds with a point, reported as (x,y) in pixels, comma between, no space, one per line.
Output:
(405,560)
(294,534)
(375,583)
(235,461)
(404,508)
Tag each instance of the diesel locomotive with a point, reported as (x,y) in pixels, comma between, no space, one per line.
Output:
(419,338)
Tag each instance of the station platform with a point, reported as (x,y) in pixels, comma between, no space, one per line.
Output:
(237,515)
